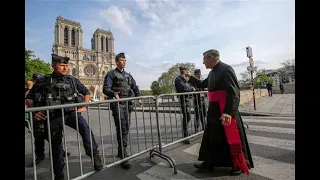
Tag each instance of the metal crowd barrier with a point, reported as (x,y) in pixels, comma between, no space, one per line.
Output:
(172,118)
(155,127)
(144,136)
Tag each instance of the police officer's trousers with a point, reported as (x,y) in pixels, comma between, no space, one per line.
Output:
(56,128)
(39,136)
(124,110)
(200,113)
(186,113)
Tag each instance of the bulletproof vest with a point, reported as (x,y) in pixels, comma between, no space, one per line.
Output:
(122,84)
(57,91)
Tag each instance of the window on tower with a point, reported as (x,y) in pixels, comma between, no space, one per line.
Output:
(74,73)
(65,36)
(106,44)
(73,38)
(101,43)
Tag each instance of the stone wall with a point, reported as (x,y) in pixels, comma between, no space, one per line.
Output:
(246,95)
(289,88)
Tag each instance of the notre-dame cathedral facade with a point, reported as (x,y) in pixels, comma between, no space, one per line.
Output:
(89,66)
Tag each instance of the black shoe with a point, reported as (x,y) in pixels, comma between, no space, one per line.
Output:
(59,176)
(125,165)
(235,172)
(204,166)
(187,141)
(125,153)
(97,162)
(39,159)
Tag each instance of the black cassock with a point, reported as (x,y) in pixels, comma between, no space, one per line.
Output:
(214,145)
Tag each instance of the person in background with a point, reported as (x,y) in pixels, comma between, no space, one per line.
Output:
(181,86)
(199,105)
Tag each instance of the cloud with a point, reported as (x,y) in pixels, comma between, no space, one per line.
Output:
(119,18)
(31,40)
(143,4)
(160,33)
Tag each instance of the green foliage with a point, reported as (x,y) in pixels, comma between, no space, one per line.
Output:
(145,92)
(262,80)
(155,88)
(166,80)
(245,78)
(33,65)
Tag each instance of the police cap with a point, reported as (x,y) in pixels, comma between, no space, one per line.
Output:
(182,68)
(120,55)
(197,71)
(37,75)
(60,59)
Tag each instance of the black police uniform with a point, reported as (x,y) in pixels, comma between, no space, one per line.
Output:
(54,90)
(182,86)
(199,107)
(123,82)
(38,129)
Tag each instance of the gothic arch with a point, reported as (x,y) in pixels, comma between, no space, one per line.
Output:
(74,72)
(102,43)
(107,44)
(73,37)
(65,35)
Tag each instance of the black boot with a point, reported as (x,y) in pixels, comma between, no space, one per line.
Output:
(126,164)
(97,162)
(59,176)
(205,165)
(235,172)
(39,158)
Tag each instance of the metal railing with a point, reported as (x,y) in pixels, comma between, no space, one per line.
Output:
(151,128)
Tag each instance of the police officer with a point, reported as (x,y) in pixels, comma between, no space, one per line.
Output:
(120,84)
(199,104)
(35,78)
(60,88)
(38,126)
(182,86)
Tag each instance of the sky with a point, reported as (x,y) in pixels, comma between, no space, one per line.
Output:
(156,34)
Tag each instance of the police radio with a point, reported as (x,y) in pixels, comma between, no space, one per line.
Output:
(77,96)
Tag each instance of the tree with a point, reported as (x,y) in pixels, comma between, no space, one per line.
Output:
(145,92)
(245,78)
(166,80)
(155,88)
(290,65)
(261,80)
(34,64)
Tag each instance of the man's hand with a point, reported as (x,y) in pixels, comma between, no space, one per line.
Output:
(82,96)
(225,119)
(116,95)
(82,109)
(193,89)
(140,101)
(39,116)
